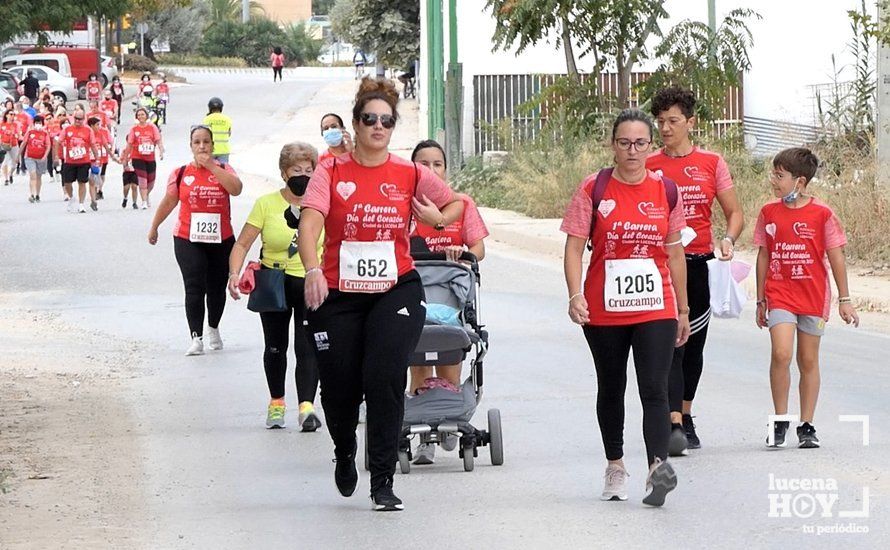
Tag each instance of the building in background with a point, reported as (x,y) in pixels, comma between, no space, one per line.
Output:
(286,12)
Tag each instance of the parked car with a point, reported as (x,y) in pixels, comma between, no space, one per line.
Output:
(60,86)
(9,84)
(4,95)
(76,62)
(109,70)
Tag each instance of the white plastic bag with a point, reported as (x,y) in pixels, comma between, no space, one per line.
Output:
(727,295)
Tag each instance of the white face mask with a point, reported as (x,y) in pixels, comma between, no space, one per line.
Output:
(38,125)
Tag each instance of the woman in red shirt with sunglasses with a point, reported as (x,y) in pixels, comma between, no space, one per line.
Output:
(366,300)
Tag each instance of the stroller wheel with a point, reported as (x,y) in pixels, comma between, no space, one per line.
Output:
(404,462)
(467,453)
(496,437)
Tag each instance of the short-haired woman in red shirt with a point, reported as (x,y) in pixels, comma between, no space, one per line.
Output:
(366,298)
(633,298)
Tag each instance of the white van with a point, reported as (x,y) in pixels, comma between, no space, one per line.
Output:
(57,61)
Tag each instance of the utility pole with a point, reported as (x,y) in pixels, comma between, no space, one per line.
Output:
(882,108)
(435,73)
(245,11)
(712,24)
(453,92)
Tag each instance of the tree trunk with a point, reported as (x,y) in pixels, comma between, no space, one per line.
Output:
(623,65)
(566,37)
(146,44)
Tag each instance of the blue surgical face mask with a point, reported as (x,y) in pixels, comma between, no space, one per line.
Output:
(333,137)
(792,196)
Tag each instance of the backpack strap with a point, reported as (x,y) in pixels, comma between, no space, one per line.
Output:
(597,193)
(179,176)
(670,189)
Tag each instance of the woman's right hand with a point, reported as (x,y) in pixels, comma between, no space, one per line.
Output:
(761,318)
(233,286)
(578,311)
(347,142)
(153,236)
(315,289)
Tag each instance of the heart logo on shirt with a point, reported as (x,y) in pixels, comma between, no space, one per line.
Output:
(690,171)
(606,207)
(387,189)
(188,180)
(645,207)
(771,230)
(345,189)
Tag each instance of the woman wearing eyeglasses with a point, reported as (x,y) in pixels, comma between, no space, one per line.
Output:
(366,303)
(202,236)
(633,297)
(144,147)
(267,220)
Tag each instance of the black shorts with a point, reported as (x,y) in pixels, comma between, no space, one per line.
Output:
(130,178)
(104,167)
(72,172)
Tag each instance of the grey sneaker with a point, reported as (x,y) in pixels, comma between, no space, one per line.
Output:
(616,483)
(275,415)
(677,444)
(661,481)
(214,341)
(426,454)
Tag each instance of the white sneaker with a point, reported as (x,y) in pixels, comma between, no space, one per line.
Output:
(362,413)
(145,206)
(616,483)
(82,209)
(148,201)
(197,347)
(213,339)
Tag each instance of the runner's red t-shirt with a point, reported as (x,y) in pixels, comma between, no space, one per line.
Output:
(9,133)
(37,142)
(632,222)
(94,90)
(467,231)
(108,108)
(367,215)
(103,139)
(143,141)
(103,118)
(797,240)
(201,193)
(700,175)
(76,142)
(23,120)
(163,91)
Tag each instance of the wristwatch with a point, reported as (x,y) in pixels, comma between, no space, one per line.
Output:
(441,225)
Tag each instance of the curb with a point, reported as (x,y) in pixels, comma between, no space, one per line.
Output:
(304,72)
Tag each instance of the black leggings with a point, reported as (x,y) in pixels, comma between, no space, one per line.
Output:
(276,336)
(205,272)
(689,360)
(364,342)
(652,345)
(276,73)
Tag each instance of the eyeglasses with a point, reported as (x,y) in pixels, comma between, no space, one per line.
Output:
(370,119)
(78,118)
(640,144)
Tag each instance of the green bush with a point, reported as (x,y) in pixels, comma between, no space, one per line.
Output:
(139,63)
(189,60)
(299,46)
(252,41)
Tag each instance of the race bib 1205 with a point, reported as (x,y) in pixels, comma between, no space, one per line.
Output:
(633,285)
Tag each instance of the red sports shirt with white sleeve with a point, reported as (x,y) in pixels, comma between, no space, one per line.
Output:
(9,133)
(108,108)
(103,139)
(76,143)
(204,206)
(162,90)
(367,215)
(94,90)
(143,141)
(23,120)
(628,280)
(700,175)
(797,240)
(37,143)
(467,231)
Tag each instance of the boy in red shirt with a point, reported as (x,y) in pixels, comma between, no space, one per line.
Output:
(795,234)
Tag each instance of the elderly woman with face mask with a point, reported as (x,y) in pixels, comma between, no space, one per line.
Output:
(267,220)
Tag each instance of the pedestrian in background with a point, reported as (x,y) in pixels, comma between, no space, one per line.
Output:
(277,59)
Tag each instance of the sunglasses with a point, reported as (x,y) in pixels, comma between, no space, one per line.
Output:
(370,119)
(78,118)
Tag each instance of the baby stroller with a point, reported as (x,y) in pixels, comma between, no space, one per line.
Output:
(439,412)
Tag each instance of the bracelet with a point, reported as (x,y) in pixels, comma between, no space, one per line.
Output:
(845,300)
(312,270)
(683,311)
(678,241)
(730,239)
(573,296)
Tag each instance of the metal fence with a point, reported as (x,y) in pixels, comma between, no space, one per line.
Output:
(764,137)
(500,125)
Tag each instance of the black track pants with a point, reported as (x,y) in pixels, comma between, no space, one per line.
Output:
(688,361)
(205,272)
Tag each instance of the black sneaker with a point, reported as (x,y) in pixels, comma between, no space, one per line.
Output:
(99,195)
(691,436)
(346,475)
(36,198)
(806,436)
(124,203)
(384,500)
(677,443)
(779,430)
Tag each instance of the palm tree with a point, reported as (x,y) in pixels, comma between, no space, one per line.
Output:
(230,10)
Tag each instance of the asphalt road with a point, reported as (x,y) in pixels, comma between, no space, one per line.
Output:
(215,478)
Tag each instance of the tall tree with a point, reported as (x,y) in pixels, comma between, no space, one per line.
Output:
(230,10)
(389,28)
(708,61)
(181,27)
(20,17)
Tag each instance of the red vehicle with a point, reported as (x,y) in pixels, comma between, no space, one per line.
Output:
(83,61)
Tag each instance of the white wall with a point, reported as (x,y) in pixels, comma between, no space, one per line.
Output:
(793,44)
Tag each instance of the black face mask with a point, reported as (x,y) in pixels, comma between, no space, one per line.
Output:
(297,184)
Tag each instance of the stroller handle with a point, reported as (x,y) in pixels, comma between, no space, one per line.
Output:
(464,257)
